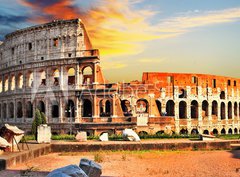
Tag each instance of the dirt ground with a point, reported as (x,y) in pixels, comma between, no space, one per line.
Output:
(141,163)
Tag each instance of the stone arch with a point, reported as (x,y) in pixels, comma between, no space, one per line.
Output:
(87,108)
(87,72)
(71,76)
(194,131)
(194,109)
(206,132)
(205,106)
(214,108)
(183,131)
(11,110)
(159,106)
(223,131)
(12,82)
(126,107)
(29,78)
(142,133)
(1,86)
(235,109)
(142,106)
(170,108)
(235,131)
(223,111)
(29,109)
(215,131)
(56,76)
(6,84)
(43,78)
(229,110)
(105,108)
(230,131)
(182,110)
(222,95)
(70,109)
(55,109)
(20,81)
(19,110)
(41,106)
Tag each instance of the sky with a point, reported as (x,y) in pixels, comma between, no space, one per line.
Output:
(135,36)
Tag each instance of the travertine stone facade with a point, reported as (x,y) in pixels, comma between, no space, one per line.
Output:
(54,68)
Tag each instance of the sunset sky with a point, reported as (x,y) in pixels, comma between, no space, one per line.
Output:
(135,36)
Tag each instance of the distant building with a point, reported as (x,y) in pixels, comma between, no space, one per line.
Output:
(54,68)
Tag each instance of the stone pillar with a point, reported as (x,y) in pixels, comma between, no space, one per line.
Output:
(61,110)
(24,111)
(176,110)
(80,78)
(199,112)
(151,96)
(219,112)
(210,111)
(189,124)
(95,73)
(77,78)
(95,107)
(114,105)
(15,110)
(61,78)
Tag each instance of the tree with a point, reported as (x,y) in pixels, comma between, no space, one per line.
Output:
(39,118)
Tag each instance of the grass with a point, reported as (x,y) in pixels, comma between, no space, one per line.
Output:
(98,157)
(229,137)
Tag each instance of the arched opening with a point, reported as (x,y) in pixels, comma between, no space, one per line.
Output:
(222,95)
(105,108)
(56,75)
(194,109)
(159,106)
(235,109)
(215,131)
(41,106)
(235,131)
(126,108)
(205,109)
(12,83)
(229,110)
(223,112)
(183,132)
(4,110)
(43,78)
(55,109)
(170,108)
(142,133)
(194,132)
(142,106)
(223,131)
(214,108)
(29,110)
(11,110)
(230,131)
(30,79)
(87,108)
(71,76)
(206,132)
(6,84)
(19,110)
(183,94)
(87,75)
(182,110)
(1,84)
(20,81)
(70,109)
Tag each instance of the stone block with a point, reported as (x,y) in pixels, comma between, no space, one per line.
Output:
(44,134)
(68,171)
(91,168)
(104,137)
(130,135)
(81,136)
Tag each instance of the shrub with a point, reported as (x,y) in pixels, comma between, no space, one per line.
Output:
(39,118)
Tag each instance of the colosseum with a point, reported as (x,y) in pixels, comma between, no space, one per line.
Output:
(53,67)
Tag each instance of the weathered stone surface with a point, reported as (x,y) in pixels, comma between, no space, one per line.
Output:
(4,143)
(91,168)
(104,137)
(81,136)
(68,171)
(44,134)
(130,135)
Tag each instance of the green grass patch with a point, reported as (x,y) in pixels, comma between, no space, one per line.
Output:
(229,137)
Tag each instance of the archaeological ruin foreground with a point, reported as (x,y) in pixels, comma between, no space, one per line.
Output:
(53,67)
